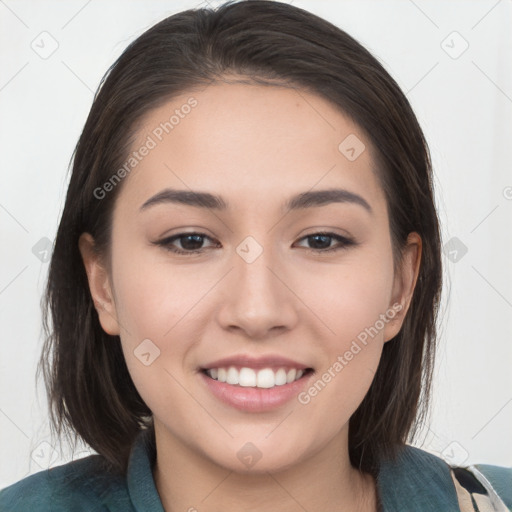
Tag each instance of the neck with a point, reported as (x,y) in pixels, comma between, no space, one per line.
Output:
(190,481)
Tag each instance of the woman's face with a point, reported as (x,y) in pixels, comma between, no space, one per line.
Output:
(262,286)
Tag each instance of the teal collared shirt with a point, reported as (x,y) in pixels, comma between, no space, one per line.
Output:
(416,481)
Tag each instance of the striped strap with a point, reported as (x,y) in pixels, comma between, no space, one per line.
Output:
(474,491)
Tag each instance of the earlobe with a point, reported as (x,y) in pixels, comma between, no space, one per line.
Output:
(99,285)
(404,285)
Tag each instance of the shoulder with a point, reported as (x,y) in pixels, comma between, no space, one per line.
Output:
(420,480)
(83,484)
(498,478)
(414,469)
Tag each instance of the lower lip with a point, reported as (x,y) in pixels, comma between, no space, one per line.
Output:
(255,399)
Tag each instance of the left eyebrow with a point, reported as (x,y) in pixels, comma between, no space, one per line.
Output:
(322,197)
(301,201)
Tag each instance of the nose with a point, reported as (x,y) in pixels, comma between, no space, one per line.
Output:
(257,301)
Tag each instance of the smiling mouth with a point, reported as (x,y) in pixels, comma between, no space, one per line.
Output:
(262,378)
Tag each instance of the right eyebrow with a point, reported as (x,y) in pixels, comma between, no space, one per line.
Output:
(187,197)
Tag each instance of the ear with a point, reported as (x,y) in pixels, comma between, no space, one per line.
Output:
(403,285)
(99,285)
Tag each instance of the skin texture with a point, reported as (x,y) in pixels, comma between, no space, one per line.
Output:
(256,146)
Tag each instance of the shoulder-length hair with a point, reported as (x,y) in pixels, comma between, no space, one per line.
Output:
(90,391)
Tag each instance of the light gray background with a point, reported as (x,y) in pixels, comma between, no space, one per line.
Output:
(462,97)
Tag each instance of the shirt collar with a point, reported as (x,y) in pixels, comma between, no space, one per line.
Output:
(415,481)
(140,481)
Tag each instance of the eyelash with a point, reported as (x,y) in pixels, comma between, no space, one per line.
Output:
(166,243)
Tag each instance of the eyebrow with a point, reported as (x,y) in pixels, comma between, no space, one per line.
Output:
(312,198)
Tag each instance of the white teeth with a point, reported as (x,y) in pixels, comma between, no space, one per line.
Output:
(280,377)
(266,378)
(232,376)
(290,377)
(247,377)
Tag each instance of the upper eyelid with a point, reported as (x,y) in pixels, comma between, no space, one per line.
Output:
(324,232)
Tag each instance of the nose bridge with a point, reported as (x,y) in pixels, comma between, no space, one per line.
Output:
(258,301)
(253,267)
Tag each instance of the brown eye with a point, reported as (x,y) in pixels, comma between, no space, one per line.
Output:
(321,242)
(191,243)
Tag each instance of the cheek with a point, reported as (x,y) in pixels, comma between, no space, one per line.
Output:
(152,311)
(152,297)
(351,358)
(353,306)
(349,297)
(165,304)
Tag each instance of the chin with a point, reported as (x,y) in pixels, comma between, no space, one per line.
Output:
(257,459)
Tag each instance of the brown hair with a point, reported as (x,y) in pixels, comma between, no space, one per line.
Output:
(91,393)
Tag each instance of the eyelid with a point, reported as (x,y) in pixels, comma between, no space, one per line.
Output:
(166,241)
(344,240)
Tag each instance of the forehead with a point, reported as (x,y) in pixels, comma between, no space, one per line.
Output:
(250,143)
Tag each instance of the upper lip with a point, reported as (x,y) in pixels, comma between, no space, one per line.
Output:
(247,361)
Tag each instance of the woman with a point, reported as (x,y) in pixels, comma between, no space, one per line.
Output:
(245,281)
